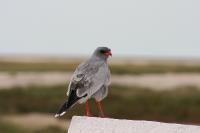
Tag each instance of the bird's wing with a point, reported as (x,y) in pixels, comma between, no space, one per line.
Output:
(78,79)
(98,79)
(88,78)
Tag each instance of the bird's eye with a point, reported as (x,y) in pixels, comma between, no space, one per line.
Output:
(102,51)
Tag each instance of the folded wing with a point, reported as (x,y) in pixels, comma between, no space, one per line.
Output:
(88,79)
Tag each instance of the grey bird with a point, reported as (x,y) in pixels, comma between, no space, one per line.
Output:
(90,80)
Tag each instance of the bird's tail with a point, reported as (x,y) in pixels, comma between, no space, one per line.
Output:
(62,110)
(72,100)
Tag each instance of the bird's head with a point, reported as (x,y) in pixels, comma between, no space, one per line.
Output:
(103,52)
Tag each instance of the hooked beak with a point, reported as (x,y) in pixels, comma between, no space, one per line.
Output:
(108,53)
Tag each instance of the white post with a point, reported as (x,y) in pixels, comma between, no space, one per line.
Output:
(81,124)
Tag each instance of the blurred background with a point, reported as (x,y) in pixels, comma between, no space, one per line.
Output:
(155,65)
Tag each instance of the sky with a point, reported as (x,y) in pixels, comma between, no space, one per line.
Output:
(168,28)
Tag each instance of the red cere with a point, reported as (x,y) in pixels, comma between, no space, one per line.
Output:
(108,53)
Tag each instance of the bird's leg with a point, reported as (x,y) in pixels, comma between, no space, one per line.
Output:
(87,109)
(100,108)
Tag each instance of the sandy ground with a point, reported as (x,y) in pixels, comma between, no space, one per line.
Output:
(159,81)
(33,78)
(30,121)
(152,81)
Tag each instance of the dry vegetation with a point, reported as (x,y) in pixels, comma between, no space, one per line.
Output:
(125,68)
(179,105)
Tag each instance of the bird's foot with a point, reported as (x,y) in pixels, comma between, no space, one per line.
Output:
(88,114)
(102,115)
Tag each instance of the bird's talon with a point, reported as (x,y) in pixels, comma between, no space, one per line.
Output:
(88,115)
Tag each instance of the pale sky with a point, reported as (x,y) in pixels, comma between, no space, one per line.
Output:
(76,27)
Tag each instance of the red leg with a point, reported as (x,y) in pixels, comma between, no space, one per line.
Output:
(100,108)
(87,109)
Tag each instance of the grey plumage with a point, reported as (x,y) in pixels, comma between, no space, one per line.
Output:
(90,80)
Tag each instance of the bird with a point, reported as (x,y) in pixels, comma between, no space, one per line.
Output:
(90,80)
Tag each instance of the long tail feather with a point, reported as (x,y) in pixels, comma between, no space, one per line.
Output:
(73,98)
(62,110)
